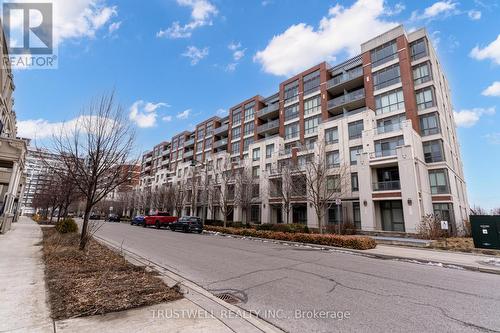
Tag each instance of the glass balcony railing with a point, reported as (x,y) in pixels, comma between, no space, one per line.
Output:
(392,185)
(268,126)
(389,128)
(346,99)
(221,129)
(384,153)
(345,77)
(269,109)
(220,143)
(189,142)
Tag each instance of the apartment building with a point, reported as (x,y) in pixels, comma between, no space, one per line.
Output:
(385,115)
(12,149)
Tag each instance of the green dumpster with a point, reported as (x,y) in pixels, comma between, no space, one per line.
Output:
(486,231)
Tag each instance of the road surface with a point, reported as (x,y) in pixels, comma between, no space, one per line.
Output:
(301,289)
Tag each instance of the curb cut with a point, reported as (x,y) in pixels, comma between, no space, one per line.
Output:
(363,253)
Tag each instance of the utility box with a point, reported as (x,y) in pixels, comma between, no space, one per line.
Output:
(486,231)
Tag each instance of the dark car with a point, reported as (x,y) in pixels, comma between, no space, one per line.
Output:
(94,216)
(188,224)
(113,218)
(138,220)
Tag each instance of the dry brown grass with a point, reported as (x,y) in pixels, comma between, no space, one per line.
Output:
(96,281)
(461,244)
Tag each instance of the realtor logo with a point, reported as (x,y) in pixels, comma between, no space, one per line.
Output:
(28,31)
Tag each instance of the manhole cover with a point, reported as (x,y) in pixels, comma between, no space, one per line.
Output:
(228,298)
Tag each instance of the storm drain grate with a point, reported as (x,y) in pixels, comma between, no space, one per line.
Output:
(228,298)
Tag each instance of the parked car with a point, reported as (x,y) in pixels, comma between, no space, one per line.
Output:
(159,220)
(94,216)
(188,224)
(138,220)
(113,218)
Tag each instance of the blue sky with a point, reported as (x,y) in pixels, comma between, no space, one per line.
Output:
(174,63)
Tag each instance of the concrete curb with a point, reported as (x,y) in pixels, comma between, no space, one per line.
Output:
(253,319)
(445,264)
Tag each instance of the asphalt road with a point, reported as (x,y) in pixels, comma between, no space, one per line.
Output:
(289,284)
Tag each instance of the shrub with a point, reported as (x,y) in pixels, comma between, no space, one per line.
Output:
(430,228)
(351,242)
(66,225)
(293,228)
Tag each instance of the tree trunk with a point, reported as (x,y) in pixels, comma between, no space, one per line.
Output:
(83,236)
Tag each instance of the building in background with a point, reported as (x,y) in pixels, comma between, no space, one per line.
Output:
(386,114)
(12,149)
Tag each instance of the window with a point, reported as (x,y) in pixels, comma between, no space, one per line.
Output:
(356,213)
(422,73)
(333,183)
(247,142)
(268,167)
(311,125)
(255,172)
(312,105)
(292,92)
(236,117)
(354,182)
(418,49)
(210,129)
(354,154)
(429,124)
(355,129)
(331,135)
(304,159)
(311,82)
(444,212)
(291,112)
(439,181)
(255,191)
(425,98)
(249,113)
(269,150)
(387,147)
(249,128)
(332,159)
(236,132)
(256,154)
(199,147)
(390,124)
(292,131)
(235,147)
(310,142)
(386,77)
(384,53)
(433,151)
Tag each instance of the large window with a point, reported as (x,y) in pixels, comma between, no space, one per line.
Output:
(236,117)
(390,124)
(384,53)
(249,128)
(311,125)
(356,212)
(422,73)
(354,182)
(312,105)
(292,92)
(236,132)
(387,147)
(390,101)
(439,181)
(256,154)
(355,129)
(292,131)
(444,212)
(333,159)
(292,112)
(247,142)
(418,49)
(333,183)
(249,112)
(433,151)
(429,124)
(354,151)
(255,172)
(425,98)
(235,147)
(331,135)
(386,77)
(311,82)
(269,150)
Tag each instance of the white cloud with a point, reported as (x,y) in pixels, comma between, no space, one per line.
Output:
(493,90)
(144,114)
(113,27)
(167,119)
(492,51)
(238,54)
(397,9)
(75,19)
(202,12)
(184,114)
(474,15)
(468,118)
(221,112)
(493,138)
(344,29)
(195,54)
(436,10)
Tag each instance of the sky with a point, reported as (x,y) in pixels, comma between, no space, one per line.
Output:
(174,63)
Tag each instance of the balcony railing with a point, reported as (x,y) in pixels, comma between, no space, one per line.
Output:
(393,185)
(221,129)
(269,109)
(220,143)
(268,126)
(346,77)
(188,154)
(383,153)
(389,128)
(189,142)
(345,99)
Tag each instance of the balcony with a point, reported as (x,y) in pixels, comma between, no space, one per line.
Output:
(269,111)
(388,128)
(221,130)
(393,185)
(188,154)
(383,153)
(350,101)
(348,80)
(220,143)
(271,127)
(189,143)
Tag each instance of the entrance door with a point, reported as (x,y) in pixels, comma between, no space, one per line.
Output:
(392,216)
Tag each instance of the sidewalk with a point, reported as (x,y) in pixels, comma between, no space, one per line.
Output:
(24,307)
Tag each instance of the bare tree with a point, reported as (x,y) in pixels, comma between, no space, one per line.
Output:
(495,211)
(179,196)
(94,151)
(478,210)
(225,188)
(325,183)
(292,185)
(243,190)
